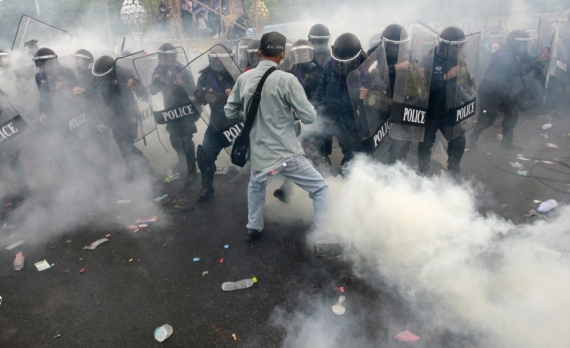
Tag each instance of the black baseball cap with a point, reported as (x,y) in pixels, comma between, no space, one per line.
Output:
(272,44)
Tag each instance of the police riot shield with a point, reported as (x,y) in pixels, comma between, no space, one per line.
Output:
(14,131)
(562,50)
(33,34)
(546,42)
(157,73)
(216,73)
(134,98)
(461,92)
(411,88)
(241,53)
(370,95)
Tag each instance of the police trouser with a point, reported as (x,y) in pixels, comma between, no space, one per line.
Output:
(207,154)
(455,147)
(347,137)
(17,169)
(181,132)
(398,151)
(490,106)
(129,152)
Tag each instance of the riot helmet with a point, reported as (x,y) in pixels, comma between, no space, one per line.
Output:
(395,37)
(319,35)
(104,72)
(518,40)
(4,59)
(302,52)
(42,56)
(84,59)
(495,37)
(218,55)
(450,42)
(167,55)
(346,54)
(252,53)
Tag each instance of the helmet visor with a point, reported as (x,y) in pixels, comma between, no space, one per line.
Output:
(252,57)
(302,54)
(345,66)
(216,61)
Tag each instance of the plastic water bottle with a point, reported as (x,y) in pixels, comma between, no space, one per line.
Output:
(163,332)
(172,177)
(242,284)
(19,261)
(263,176)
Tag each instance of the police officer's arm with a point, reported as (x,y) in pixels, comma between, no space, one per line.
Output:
(234,104)
(529,63)
(295,96)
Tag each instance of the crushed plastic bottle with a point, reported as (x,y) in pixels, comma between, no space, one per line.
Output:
(172,177)
(19,261)
(163,332)
(242,284)
(263,176)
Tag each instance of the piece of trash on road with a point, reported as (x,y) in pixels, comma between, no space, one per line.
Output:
(95,244)
(341,289)
(242,284)
(522,158)
(536,201)
(68,241)
(533,212)
(81,271)
(551,145)
(204,273)
(547,162)
(42,265)
(57,336)
(172,177)
(142,223)
(226,246)
(131,260)
(488,153)
(67,271)
(19,261)
(124,201)
(522,172)
(8,205)
(163,332)
(221,260)
(547,251)
(108,235)
(181,209)
(234,337)
(500,136)
(547,126)
(12,246)
(196,259)
(7,226)
(160,198)
(338,308)
(516,165)
(547,206)
(0,300)
(407,336)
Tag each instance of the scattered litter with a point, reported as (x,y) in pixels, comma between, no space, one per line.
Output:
(163,332)
(160,198)
(19,261)
(505,205)
(57,336)
(407,336)
(536,201)
(12,246)
(522,158)
(42,265)
(80,259)
(68,241)
(522,172)
(547,162)
(8,205)
(0,300)
(547,206)
(204,273)
(196,259)
(234,337)
(108,235)
(533,212)
(551,145)
(181,209)
(500,136)
(95,244)
(67,271)
(7,226)
(81,271)
(547,126)
(242,284)
(226,246)
(516,165)
(519,155)
(341,289)
(221,260)
(545,136)
(131,260)
(142,223)
(488,153)
(338,309)
(172,177)
(547,251)
(124,201)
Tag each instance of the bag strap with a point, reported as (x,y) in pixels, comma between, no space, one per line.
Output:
(255,103)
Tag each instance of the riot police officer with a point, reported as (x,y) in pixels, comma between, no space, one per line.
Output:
(181,130)
(319,36)
(108,79)
(252,55)
(496,90)
(332,100)
(215,82)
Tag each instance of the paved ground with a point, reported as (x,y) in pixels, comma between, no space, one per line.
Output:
(118,303)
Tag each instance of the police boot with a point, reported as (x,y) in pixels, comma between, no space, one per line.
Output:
(284,192)
(190,160)
(424,158)
(509,146)
(455,151)
(207,168)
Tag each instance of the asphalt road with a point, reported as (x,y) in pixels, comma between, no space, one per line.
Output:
(119,303)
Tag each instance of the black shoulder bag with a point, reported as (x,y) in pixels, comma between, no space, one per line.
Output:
(241,143)
(525,99)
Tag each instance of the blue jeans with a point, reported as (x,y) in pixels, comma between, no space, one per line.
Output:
(302,173)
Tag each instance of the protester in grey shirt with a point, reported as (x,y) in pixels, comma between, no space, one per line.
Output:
(273,141)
